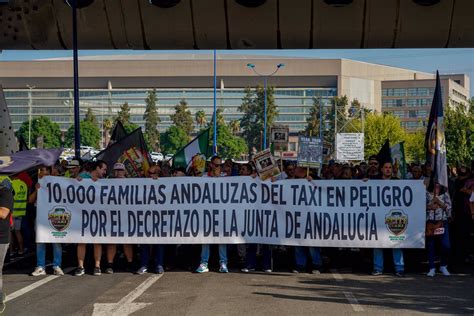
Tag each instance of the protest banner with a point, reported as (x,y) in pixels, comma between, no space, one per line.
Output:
(230,210)
(265,164)
(350,146)
(279,134)
(310,152)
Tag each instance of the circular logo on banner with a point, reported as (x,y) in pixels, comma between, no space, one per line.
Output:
(396,222)
(59,218)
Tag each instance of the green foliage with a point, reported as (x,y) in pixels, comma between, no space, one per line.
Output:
(228,145)
(459,127)
(200,117)
(41,126)
(152,135)
(415,146)
(124,117)
(252,120)
(90,134)
(90,117)
(173,139)
(182,117)
(378,128)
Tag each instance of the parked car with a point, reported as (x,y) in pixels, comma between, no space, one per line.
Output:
(156,156)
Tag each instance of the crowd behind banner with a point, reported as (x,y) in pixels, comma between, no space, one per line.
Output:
(449,215)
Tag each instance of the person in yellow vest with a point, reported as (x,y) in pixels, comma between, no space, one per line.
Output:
(20,198)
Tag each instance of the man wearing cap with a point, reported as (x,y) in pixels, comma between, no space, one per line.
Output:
(73,169)
(119,173)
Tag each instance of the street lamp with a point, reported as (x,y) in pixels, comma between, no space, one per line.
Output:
(265,77)
(30,103)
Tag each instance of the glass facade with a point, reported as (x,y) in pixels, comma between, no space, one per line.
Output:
(293,104)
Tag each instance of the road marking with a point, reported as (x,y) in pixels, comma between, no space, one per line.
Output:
(126,306)
(353,301)
(33,286)
(337,276)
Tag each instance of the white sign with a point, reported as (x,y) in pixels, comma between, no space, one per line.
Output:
(233,210)
(350,146)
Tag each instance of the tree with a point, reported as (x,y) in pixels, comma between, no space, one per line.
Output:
(152,135)
(90,117)
(253,118)
(312,128)
(41,126)
(378,128)
(235,127)
(200,117)
(124,117)
(173,139)
(107,126)
(459,127)
(415,146)
(90,134)
(182,117)
(229,145)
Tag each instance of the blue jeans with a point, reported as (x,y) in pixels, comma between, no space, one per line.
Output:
(445,246)
(300,257)
(41,255)
(158,251)
(206,250)
(252,256)
(397,260)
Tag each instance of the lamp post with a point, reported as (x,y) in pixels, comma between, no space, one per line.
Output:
(265,77)
(30,103)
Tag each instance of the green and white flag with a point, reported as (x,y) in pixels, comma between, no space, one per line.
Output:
(199,145)
(398,160)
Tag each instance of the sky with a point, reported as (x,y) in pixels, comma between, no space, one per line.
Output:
(446,60)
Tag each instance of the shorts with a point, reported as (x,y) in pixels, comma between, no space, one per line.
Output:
(17,223)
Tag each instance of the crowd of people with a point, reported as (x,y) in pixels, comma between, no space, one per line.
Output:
(449,215)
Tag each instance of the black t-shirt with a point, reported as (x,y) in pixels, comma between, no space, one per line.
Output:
(6,200)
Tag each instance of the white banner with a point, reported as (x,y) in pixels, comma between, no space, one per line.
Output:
(350,146)
(230,210)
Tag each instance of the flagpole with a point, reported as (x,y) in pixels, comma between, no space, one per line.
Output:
(214,145)
(77,133)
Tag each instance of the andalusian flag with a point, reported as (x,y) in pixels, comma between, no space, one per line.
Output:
(199,145)
(398,159)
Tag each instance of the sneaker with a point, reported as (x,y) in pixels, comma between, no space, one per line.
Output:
(267,270)
(38,271)
(444,270)
(400,274)
(223,268)
(315,271)
(431,273)
(202,268)
(58,271)
(80,271)
(109,270)
(160,270)
(247,270)
(97,271)
(142,270)
(2,303)
(375,272)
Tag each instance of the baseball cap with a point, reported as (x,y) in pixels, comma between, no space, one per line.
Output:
(73,163)
(119,166)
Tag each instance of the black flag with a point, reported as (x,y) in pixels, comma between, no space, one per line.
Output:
(384,155)
(22,146)
(435,144)
(131,151)
(118,133)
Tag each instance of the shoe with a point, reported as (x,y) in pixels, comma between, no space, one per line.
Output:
(97,271)
(58,271)
(247,270)
(2,303)
(160,270)
(109,270)
(315,271)
(444,270)
(267,270)
(38,271)
(80,271)
(375,272)
(129,267)
(202,268)
(431,273)
(142,270)
(20,254)
(400,274)
(223,268)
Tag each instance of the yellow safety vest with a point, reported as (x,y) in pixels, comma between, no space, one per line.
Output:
(20,197)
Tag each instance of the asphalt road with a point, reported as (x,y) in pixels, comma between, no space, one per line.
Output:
(185,293)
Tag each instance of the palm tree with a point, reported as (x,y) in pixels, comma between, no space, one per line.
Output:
(200,118)
(107,126)
(235,127)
